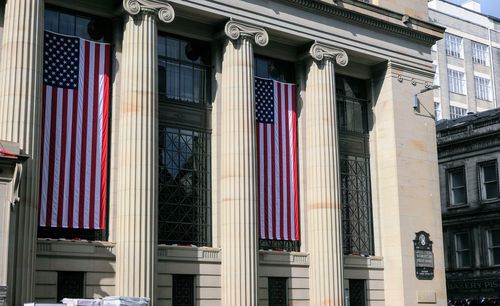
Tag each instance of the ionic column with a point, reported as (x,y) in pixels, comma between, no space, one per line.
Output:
(322,187)
(238,162)
(136,234)
(20,121)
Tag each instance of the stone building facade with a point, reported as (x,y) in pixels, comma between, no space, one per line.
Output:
(468,151)
(184,70)
(467,61)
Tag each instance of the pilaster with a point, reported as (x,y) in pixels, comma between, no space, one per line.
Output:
(20,121)
(238,182)
(137,169)
(321,177)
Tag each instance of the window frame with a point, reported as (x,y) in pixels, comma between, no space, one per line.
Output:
(178,119)
(452,43)
(457,112)
(481,182)
(456,82)
(457,251)
(483,88)
(484,54)
(449,189)
(490,247)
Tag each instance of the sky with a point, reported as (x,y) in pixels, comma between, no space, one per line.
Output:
(488,7)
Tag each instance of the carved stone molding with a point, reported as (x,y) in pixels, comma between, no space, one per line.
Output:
(321,51)
(236,29)
(164,10)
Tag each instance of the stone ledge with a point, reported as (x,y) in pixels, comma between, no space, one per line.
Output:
(188,253)
(361,262)
(75,248)
(283,258)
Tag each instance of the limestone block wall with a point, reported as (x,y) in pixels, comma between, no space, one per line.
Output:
(370,269)
(96,259)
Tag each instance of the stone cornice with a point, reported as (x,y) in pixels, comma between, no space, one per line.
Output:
(320,51)
(164,10)
(373,22)
(236,29)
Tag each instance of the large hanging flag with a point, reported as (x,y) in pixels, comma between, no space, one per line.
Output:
(277,160)
(74,132)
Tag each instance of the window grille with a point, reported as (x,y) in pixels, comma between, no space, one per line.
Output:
(457,112)
(494,247)
(488,177)
(277,291)
(483,88)
(356,205)
(456,186)
(184,195)
(357,292)
(454,45)
(480,54)
(437,110)
(182,290)
(70,285)
(462,250)
(352,112)
(456,81)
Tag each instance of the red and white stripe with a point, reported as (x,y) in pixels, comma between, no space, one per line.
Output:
(278,168)
(75,145)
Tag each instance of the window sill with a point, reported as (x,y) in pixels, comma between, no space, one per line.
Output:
(489,201)
(457,206)
(460,94)
(487,101)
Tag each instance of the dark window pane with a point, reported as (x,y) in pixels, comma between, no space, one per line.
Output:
(161,46)
(70,285)
(172,47)
(462,241)
(162,79)
(66,24)
(496,256)
(277,291)
(278,70)
(357,292)
(51,21)
(81,27)
(457,179)
(172,80)
(490,173)
(458,196)
(464,259)
(495,238)
(186,82)
(182,290)
(491,190)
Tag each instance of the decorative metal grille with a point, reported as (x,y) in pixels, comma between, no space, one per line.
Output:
(277,291)
(183,290)
(357,292)
(184,183)
(356,205)
(70,285)
(279,245)
(72,233)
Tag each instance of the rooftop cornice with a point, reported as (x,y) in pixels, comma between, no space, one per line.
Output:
(431,34)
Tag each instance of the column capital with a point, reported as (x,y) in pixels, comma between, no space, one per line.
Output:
(320,51)
(236,29)
(164,10)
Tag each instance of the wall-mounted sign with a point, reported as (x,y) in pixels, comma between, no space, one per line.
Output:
(424,258)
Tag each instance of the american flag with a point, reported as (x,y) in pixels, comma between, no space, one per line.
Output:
(275,107)
(74,132)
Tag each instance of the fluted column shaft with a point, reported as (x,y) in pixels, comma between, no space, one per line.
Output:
(136,234)
(20,121)
(238,159)
(322,198)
